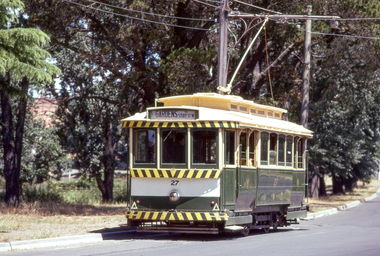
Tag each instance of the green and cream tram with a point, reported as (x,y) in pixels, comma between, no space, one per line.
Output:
(208,163)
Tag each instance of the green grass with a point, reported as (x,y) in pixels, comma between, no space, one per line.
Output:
(87,196)
(41,193)
(72,192)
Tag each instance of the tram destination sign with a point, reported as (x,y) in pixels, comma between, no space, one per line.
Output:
(173,114)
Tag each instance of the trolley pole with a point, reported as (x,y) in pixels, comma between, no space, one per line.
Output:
(222,51)
(306,72)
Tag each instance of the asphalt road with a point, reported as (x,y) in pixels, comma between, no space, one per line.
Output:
(355,231)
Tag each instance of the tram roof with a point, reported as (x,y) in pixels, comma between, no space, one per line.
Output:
(215,112)
(214,100)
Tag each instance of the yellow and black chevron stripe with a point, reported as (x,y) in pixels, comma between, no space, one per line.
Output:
(176,216)
(190,174)
(202,124)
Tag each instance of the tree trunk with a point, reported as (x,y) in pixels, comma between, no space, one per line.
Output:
(322,186)
(12,192)
(21,120)
(349,184)
(314,184)
(13,147)
(106,186)
(337,185)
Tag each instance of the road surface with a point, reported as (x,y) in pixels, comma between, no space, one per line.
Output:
(355,231)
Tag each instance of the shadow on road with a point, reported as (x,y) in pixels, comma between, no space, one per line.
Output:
(123,233)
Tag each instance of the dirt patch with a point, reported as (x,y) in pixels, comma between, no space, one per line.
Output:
(37,221)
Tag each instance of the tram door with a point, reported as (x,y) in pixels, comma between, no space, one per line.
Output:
(230,171)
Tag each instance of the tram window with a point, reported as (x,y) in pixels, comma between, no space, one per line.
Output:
(264,148)
(252,149)
(145,149)
(204,147)
(289,146)
(243,148)
(281,150)
(173,146)
(230,147)
(273,149)
(299,154)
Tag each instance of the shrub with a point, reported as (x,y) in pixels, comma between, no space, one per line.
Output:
(41,193)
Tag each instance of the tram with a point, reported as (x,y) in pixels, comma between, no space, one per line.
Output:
(212,163)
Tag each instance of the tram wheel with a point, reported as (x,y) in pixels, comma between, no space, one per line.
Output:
(246,230)
(266,230)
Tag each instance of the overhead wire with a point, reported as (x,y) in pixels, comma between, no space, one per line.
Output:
(327,34)
(149,13)
(134,18)
(214,6)
(257,7)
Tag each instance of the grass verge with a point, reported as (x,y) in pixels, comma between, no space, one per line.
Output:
(333,201)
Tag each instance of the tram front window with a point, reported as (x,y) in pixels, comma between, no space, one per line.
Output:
(173,146)
(229,147)
(145,150)
(204,147)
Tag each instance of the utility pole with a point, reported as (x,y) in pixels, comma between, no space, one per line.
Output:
(306,72)
(222,51)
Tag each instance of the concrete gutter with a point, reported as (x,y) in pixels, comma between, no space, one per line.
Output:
(50,242)
(314,215)
(91,238)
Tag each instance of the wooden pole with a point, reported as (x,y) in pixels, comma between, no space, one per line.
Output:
(306,72)
(222,52)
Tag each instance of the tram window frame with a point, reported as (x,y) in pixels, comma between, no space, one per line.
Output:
(140,163)
(176,145)
(205,165)
(299,154)
(281,150)
(264,148)
(243,148)
(273,148)
(295,151)
(229,150)
(289,150)
(252,149)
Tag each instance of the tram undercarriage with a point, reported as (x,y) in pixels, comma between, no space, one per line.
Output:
(241,222)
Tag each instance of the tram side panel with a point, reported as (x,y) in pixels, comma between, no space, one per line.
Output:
(274,187)
(175,193)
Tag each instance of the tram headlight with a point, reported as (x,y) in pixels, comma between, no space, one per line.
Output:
(174,196)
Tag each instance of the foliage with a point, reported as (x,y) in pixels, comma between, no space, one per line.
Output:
(114,66)
(345,114)
(23,62)
(41,193)
(43,156)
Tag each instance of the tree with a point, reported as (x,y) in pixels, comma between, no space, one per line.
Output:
(111,69)
(112,46)
(22,62)
(343,115)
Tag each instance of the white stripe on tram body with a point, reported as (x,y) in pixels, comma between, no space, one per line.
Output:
(186,187)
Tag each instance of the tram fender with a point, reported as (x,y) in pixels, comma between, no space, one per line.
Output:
(239,220)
